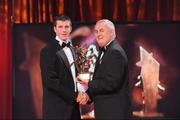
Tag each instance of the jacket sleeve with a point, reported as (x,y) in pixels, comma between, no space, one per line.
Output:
(50,78)
(112,79)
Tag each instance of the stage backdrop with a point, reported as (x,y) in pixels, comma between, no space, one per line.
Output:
(162,39)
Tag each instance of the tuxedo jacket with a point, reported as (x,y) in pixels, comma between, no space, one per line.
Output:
(109,88)
(59,97)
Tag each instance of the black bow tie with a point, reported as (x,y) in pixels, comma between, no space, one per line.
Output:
(102,49)
(66,44)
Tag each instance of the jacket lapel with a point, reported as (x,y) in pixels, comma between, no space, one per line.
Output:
(75,58)
(64,58)
(99,61)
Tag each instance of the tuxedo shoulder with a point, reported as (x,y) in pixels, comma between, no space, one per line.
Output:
(51,46)
(117,48)
(49,50)
(45,49)
(119,51)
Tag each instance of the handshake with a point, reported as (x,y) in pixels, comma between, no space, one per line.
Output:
(82,97)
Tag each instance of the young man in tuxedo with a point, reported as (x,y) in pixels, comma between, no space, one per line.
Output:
(109,88)
(58,75)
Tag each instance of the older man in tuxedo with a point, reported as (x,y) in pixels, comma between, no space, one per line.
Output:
(109,88)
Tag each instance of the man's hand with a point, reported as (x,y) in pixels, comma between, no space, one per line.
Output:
(82,98)
(82,81)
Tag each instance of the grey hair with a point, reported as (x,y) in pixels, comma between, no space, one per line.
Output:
(109,25)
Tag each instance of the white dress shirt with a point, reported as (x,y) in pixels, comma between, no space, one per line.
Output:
(70,58)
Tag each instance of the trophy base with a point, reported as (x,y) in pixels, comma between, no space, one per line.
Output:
(142,114)
(88,116)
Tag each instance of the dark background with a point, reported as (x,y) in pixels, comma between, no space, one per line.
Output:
(162,39)
(42,11)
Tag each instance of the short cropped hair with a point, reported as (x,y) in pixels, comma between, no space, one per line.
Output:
(62,18)
(109,25)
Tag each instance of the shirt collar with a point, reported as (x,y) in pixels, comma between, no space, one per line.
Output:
(61,41)
(108,44)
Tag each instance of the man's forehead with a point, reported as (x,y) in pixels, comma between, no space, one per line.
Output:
(99,24)
(63,22)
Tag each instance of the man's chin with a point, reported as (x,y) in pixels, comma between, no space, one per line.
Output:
(100,44)
(64,38)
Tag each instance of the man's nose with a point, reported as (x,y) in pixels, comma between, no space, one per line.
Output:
(64,29)
(98,34)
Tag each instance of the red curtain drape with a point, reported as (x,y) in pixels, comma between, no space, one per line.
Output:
(42,11)
(5,60)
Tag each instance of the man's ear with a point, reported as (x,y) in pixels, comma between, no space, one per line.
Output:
(112,33)
(55,29)
(71,29)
